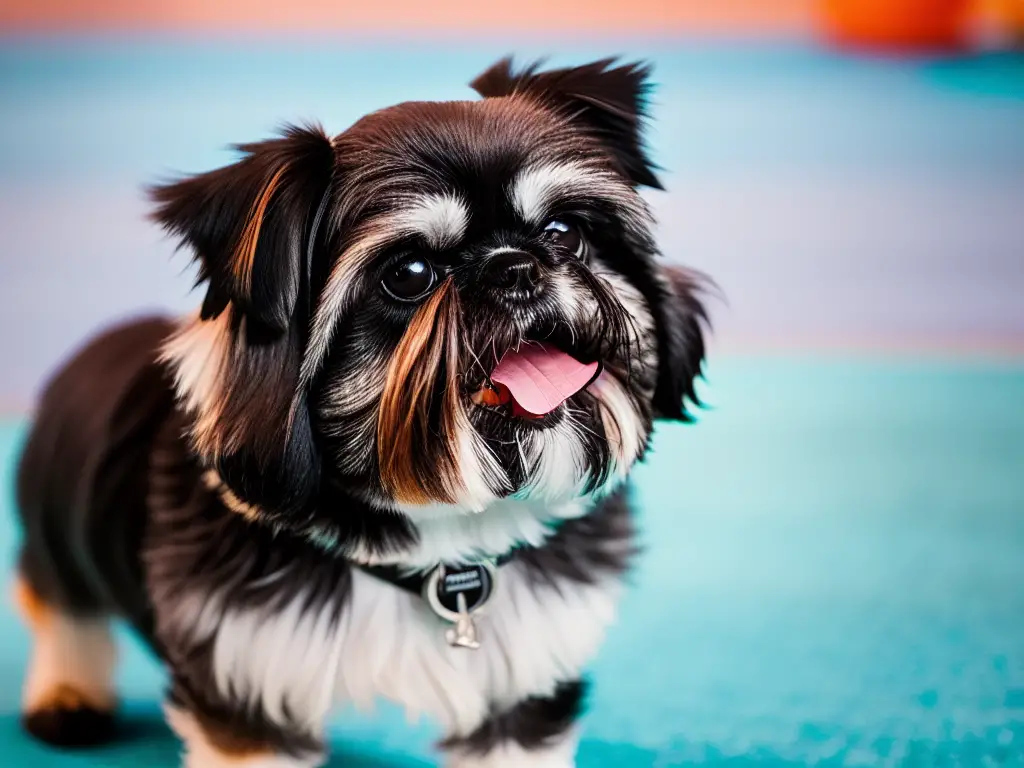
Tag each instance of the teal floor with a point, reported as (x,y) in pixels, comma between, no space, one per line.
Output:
(834,576)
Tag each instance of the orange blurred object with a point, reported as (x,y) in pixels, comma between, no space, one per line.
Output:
(1009,15)
(897,24)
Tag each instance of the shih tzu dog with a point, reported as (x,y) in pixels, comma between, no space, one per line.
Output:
(387,456)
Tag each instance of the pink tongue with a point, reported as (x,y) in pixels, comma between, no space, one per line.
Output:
(540,378)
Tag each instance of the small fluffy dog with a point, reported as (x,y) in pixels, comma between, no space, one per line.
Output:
(387,457)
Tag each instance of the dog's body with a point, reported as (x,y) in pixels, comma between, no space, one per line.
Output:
(256,488)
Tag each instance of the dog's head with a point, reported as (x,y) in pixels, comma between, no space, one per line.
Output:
(362,291)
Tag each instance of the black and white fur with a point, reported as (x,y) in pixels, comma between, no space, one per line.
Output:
(218,480)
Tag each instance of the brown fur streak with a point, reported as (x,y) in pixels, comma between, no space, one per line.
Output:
(251,403)
(33,609)
(232,745)
(64,697)
(427,358)
(257,392)
(245,254)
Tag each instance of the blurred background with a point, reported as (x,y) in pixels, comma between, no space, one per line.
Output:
(835,565)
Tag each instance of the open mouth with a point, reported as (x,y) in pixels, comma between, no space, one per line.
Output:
(533,380)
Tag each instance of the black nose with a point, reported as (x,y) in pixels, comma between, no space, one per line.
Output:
(513,271)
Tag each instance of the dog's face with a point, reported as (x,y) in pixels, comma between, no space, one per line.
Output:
(380,305)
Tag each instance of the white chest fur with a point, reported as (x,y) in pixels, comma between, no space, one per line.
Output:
(387,643)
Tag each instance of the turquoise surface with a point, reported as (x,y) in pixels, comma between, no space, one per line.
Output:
(834,576)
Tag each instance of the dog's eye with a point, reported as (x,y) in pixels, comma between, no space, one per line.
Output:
(566,236)
(409,279)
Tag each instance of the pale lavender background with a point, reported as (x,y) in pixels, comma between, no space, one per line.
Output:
(836,201)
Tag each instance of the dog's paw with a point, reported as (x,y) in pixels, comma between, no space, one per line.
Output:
(67,719)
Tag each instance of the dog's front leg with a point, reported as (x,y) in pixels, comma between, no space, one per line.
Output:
(247,696)
(559,754)
(217,737)
(538,732)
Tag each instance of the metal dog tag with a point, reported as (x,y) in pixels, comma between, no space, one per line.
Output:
(463,634)
(456,594)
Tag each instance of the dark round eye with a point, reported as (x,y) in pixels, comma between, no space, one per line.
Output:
(409,279)
(566,236)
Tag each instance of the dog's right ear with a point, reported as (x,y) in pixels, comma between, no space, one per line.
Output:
(607,101)
(246,224)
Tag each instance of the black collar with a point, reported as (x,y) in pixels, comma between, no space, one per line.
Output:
(455,593)
(416,582)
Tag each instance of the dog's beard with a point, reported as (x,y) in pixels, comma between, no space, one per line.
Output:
(405,433)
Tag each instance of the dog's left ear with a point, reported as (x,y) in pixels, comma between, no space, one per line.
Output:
(607,101)
(680,318)
(246,223)
(252,226)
